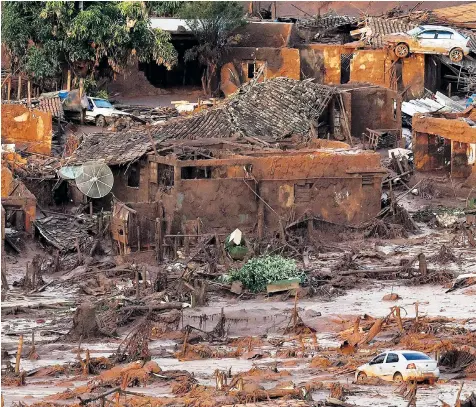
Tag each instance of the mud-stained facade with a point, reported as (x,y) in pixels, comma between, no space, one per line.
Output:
(260,47)
(256,191)
(19,203)
(29,129)
(370,107)
(336,64)
(446,143)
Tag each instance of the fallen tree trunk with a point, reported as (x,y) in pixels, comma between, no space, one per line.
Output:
(154,307)
(373,332)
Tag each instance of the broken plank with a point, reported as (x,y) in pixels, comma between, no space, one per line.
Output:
(12,245)
(375,271)
(156,307)
(283,285)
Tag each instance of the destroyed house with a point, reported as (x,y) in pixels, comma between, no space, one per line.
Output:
(362,56)
(446,142)
(251,162)
(264,49)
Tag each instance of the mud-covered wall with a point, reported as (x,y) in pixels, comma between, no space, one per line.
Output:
(29,129)
(280,62)
(121,188)
(457,132)
(453,129)
(375,108)
(219,203)
(7,181)
(323,62)
(326,184)
(16,195)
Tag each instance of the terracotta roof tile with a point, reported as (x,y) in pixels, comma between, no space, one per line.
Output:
(273,109)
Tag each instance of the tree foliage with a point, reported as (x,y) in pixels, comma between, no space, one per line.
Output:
(258,272)
(164,8)
(42,35)
(212,23)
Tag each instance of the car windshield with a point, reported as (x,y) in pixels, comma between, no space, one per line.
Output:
(103,103)
(415,356)
(415,31)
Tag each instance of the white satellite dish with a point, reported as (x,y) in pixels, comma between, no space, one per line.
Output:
(95,180)
(70,172)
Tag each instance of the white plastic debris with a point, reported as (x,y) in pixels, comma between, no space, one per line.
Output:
(446,220)
(236,236)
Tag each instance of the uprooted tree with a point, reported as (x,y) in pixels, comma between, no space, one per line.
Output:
(212,23)
(43,36)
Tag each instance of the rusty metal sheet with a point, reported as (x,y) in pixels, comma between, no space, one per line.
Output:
(63,231)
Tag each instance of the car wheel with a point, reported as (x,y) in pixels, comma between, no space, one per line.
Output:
(456,54)
(100,121)
(361,377)
(397,377)
(402,50)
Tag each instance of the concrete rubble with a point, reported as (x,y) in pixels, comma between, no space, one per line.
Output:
(255,251)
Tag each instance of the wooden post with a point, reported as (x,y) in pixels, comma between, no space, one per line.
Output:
(90,208)
(186,241)
(17,360)
(422,264)
(137,284)
(68,83)
(29,93)
(138,238)
(86,364)
(458,400)
(81,92)
(218,248)
(158,237)
(175,246)
(78,249)
(19,88)
(260,220)
(310,228)
(416,311)
(9,88)
(398,317)
(4,273)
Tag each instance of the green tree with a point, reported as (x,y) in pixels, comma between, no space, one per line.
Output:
(40,36)
(164,8)
(212,23)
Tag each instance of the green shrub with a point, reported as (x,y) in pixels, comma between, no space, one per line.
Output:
(258,272)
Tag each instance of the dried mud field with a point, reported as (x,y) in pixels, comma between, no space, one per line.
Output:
(282,349)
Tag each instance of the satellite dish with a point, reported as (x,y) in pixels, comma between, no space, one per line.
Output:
(70,172)
(95,180)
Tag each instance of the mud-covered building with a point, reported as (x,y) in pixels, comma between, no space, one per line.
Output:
(260,48)
(446,142)
(253,162)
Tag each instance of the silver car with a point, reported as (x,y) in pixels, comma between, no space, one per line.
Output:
(400,365)
(430,39)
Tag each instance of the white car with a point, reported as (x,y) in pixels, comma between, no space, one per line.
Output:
(100,111)
(430,39)
(400,365)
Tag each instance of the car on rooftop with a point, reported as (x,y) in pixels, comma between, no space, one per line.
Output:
(399,366)
(429,39)
(101,111)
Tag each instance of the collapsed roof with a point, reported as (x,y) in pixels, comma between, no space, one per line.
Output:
(462,18)
(271,111)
